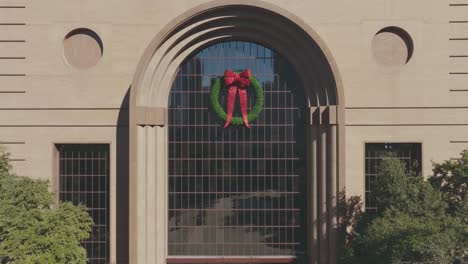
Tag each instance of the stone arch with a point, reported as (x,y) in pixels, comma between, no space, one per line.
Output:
(204,25)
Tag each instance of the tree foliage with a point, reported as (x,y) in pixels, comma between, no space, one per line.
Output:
(31,230)
(418,221)
(451,178)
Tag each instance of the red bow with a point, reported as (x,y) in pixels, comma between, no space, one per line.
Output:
(234,81)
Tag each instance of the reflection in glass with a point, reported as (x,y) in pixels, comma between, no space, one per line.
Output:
(408,153)
(84,179)
(236,191)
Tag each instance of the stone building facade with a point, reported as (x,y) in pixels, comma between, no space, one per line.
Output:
(89,92)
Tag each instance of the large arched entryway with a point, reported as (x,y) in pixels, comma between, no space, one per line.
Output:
(152,121)
(237,192)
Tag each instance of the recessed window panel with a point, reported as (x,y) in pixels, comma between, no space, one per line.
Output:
(408,153)
(237,191)
(84,179)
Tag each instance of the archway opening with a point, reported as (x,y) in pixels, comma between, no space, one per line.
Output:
(237,192)
(201,27)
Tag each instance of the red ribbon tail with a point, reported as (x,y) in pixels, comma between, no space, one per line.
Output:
(243,105)
(230,107)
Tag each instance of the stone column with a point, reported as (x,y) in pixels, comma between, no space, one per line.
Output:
(332,185)
(148,192)
(312,189)
(323,172)
(138,198)
(322,186)
(161,195)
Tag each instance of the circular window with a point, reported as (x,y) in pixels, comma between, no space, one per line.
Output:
(392,46)
(82,48)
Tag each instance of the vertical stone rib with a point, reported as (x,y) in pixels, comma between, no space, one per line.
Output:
(312,194)
(161,196)
(140,178)
(332,189)
(322,186)
(150,193)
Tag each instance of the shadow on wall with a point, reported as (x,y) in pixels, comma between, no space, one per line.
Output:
(122,192)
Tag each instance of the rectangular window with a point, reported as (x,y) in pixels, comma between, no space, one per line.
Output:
(409,153)
(84,178)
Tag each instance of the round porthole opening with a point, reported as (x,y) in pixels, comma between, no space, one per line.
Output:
(392,46)
(83,48)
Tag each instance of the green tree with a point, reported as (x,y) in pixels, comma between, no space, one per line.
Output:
(451,178)
(415,222)
(31,229)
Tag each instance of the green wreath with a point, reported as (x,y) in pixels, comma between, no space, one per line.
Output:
(256,110)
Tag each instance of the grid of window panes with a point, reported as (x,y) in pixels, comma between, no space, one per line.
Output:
(84,179)
(236,191)
(409,153)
